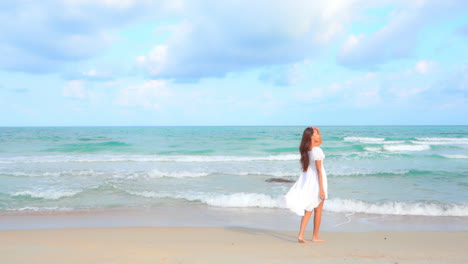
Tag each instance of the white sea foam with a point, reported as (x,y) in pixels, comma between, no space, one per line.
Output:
(220,200)
(393,142)
(441,141)
(30,174)
(51,173)
(156,174)
(455,156)
(145,158)
(366,140)
(258,173)
(41,209)
(266,173)
(373,149)
(333,205)
(397,208)
(406,148)
(354,172)
(372,140)
(176,174)
(48,194)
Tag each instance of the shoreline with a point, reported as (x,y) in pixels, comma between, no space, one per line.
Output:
(196,215)
(227,245)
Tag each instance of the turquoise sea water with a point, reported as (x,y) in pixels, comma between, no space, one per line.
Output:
(403,170)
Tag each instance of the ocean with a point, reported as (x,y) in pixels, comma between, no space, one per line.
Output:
(382,170)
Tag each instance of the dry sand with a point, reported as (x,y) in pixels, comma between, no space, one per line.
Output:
(227,245)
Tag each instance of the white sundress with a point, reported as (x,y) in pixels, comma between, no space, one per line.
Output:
(304,195)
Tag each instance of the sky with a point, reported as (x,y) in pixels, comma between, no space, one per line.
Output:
(255,62)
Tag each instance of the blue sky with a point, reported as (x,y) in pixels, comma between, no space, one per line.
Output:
(181,62)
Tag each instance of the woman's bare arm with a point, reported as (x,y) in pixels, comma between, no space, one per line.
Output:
(318,165)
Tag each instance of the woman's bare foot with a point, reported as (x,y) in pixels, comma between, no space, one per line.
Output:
(301,240)
(317,239)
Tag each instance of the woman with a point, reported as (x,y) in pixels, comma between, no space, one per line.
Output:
(310,190)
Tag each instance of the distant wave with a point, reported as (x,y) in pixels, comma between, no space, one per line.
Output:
(88,147)
(147,174)
(281,150)
(441,141)
(145,158)
(93,138)
(455,156)
(188,174)
(47,194)
(418,140)
(195,174)
(266,173)
(367,140)
(51,173)
(372,173)
(41,209)
(406,148)
(155,174)
(176,174)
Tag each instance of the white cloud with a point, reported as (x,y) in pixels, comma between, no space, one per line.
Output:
(424,67)
(96,75)
(90,73)
(351,43)
(120,4)
(348,91)
(24,110)
(395,40)
(156,59)
(414,87)
(455,82)
(463,83)
(462,30)
(75,89)
(406,93)
(399,37)
(50,33)
(218,37)
(311,95)
(285,75)
(152,94)
(368,98)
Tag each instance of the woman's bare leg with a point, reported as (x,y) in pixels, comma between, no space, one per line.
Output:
(317,220)
(304,222)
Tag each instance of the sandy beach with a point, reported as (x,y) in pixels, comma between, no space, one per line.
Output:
(227,245)
(201,234)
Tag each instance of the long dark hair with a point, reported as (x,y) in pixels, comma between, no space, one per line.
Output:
(306,142)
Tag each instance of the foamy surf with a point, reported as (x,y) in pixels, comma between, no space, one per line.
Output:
(146,158)
(47,194)
(333,205)
(455,156)
(51,174)
(406,148)
(441,141)
(176,174)
(42,209)
(373,149)
(367,140)
(220,200)
(397,208)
